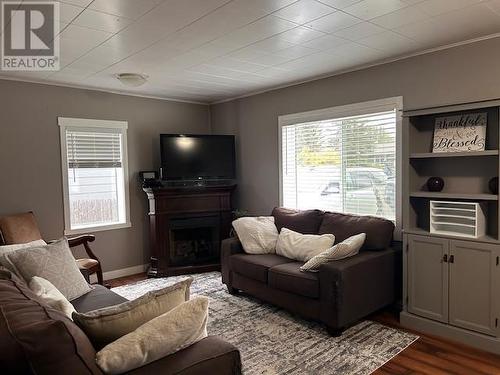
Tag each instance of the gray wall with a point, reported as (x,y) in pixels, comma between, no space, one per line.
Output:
(461,74)
(30,162)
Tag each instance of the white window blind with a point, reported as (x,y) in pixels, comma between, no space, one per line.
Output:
(94,169)
(345,164)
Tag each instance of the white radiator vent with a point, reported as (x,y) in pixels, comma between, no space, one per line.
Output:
(464,219)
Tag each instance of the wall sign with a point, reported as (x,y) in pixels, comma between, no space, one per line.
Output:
(460,133)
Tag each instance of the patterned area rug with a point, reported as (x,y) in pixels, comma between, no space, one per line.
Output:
(272,341)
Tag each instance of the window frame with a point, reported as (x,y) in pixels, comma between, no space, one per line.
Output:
(355,109)
(88,125)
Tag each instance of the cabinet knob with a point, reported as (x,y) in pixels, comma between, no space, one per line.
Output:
(445,258)
(452,259)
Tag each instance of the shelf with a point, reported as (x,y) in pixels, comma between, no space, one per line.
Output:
(422,232)
(429,155)
(431,194)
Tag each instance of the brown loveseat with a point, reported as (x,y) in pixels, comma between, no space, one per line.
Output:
(342,292)
(35,339)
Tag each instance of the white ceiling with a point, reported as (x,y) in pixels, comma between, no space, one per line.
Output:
(211,50)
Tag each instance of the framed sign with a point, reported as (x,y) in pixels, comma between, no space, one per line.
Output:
(460,133)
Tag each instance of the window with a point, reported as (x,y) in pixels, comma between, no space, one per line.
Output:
(342,159)
(95,175)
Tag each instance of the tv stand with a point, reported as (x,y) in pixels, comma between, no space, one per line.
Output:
(187,223)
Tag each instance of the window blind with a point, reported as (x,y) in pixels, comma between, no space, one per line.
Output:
(342,164)
(88,149)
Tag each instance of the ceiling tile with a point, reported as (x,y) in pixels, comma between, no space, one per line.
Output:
(272,44)
(261,29)
(436,7)
(124,8)
(296,52)
(339,4)
(368,9)
(400,17)
(494,5)
(333,22)
(101,21)
(304,11)
(325,42)
(359,31)
(300,34)
(80,3)
(390,42)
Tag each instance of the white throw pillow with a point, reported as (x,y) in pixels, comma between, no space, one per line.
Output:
(51,295)
(302,247)
(166,334)
(342,250)
(4,250)
(258,235)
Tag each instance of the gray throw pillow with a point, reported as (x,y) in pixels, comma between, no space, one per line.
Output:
(53,262)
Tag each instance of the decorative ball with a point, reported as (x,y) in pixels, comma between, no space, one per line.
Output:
(435,184)
(493,185)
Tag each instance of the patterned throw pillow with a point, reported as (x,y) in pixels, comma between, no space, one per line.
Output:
(4,250)
(344,249)
(53,262)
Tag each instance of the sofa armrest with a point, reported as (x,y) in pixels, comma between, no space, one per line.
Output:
(229,246)
(211,355)
(355,287)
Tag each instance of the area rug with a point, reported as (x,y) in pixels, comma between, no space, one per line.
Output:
(273,341)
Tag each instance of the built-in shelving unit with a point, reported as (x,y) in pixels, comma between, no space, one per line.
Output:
(466,196)
(433,155)
(451,271)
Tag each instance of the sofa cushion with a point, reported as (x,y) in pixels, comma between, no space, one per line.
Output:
(38,339)
(212,355)
(97,298)
(305,222)
(288,278)
(378,230)
(256,266)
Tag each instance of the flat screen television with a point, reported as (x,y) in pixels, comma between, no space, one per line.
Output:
(197,157)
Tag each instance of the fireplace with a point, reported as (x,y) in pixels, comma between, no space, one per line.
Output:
(194,241)
(186,227)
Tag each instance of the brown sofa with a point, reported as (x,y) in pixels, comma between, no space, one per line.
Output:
(35,339)
(342,292)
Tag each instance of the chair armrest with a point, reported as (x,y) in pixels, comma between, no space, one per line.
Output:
(355,287)
(229,246)
(80,240)
(84,240)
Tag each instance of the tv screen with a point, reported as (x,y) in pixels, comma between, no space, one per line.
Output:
(196,157)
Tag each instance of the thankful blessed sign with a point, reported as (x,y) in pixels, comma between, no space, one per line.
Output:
(460,133)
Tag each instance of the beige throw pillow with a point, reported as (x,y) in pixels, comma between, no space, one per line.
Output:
(105,325)
(4,250)
(302,247)
(344,249)
(166,334)
(258,235)
(53,262)
(51,296)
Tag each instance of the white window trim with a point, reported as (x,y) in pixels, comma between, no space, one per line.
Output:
(355,109)
(68,122)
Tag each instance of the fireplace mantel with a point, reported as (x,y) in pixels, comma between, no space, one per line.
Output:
(193,219)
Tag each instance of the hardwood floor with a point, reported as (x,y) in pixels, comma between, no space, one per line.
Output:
(428,355)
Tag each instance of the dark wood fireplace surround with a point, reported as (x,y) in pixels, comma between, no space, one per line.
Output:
(186,226)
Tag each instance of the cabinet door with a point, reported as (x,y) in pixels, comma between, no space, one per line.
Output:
(472,268)
(428,277)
